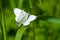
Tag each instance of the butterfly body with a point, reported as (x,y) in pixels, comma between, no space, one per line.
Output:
(22,17)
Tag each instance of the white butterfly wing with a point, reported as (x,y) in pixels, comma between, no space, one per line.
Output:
(19,14)
(17,11)
(26,23)
(31,18)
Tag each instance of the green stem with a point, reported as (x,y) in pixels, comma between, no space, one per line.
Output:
(20,3)
(40,2)
(12,4)
(31,7)
(20,33)
(3,22)
(3,27)
(34,31)
(30,3)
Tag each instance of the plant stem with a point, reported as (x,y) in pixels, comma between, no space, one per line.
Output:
(20,3)
(30,3)
(20,33)
(3,27)
(12,4)
(31,7)
(3,22)
(40,2)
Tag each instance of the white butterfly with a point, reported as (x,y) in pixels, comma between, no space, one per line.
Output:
(22,17)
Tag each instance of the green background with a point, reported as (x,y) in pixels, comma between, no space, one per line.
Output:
(45,27)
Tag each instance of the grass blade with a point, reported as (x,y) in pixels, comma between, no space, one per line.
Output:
(20,33)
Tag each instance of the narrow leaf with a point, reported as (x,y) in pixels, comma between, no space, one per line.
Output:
(20,33)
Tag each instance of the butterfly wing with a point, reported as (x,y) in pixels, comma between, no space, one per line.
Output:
(17,11)
(19,14)
(26,23)
(31,18)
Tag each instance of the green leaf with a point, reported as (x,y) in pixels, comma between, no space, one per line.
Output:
(54,23)
(54,20)
(20,33)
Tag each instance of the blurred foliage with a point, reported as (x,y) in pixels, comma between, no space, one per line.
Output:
(45,27)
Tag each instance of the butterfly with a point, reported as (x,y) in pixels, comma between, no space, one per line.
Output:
(22,17)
